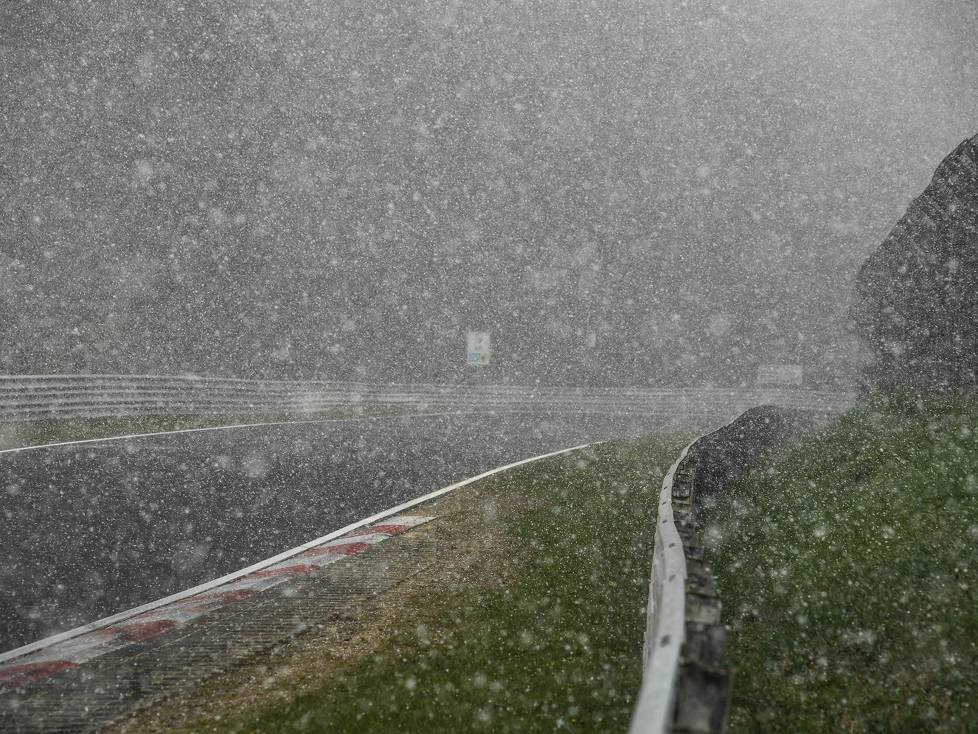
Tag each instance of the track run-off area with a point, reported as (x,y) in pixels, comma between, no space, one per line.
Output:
(95,528)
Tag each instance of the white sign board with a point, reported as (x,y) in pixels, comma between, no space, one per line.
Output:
(477,351)
(779,374)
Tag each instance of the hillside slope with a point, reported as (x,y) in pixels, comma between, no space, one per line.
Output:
(848,574)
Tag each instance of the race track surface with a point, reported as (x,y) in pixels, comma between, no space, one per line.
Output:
(93,529)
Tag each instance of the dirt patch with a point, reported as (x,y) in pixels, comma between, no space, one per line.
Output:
(463,547)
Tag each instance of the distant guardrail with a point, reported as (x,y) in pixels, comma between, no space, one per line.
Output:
(31,397)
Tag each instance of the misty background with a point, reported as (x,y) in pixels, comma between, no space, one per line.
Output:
(621,193)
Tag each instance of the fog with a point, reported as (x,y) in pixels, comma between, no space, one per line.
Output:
(621,193)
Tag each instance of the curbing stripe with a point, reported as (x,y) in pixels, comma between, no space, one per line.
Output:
(21,675)
(77,645)
(48,660)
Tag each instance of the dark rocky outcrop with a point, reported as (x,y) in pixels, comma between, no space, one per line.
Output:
(727,455)
(916,303)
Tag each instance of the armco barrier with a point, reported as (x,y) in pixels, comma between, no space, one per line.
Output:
(685,687)
(665,628)
(31,397)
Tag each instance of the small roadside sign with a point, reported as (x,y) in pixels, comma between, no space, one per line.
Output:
(477,348)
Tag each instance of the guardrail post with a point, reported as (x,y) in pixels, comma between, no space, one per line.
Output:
(704,706)
(704,688)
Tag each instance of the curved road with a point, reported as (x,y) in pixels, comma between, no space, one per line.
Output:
(93,529)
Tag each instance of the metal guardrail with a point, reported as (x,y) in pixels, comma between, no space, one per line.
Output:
(686,689)
(28,397)
(31,397)
(666,619)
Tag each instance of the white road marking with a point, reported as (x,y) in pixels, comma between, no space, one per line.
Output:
(93,643)
(268,562)
(124,437)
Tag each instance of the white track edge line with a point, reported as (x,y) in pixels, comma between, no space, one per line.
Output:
(223,428)
(206,586)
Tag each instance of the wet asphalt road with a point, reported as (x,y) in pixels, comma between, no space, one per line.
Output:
(92,529)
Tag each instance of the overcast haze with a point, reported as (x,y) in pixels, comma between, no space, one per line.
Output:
(621,193)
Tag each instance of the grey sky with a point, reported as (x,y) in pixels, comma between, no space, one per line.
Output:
(341,189)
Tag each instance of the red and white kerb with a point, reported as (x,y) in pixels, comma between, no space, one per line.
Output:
(40,664)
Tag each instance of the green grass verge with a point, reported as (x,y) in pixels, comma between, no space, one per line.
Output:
(556,647)
(16,434)
(849,576)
